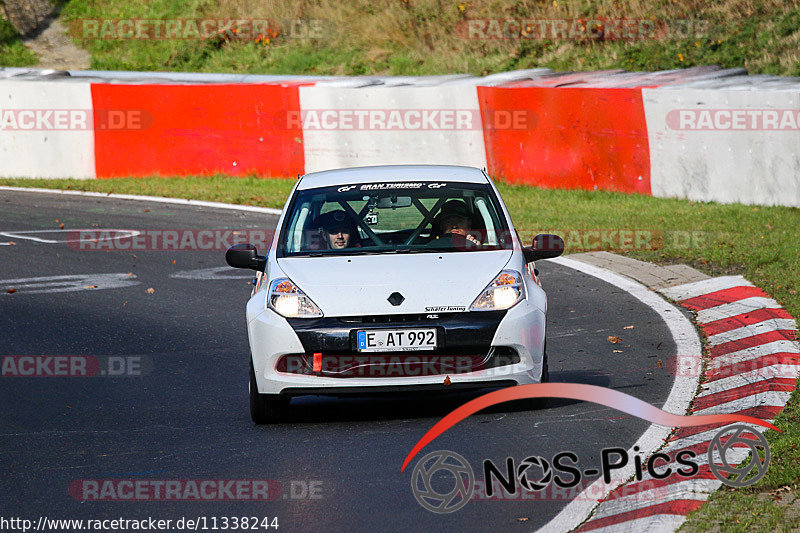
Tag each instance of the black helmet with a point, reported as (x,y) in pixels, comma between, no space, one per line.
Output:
(454,208)
(335,219)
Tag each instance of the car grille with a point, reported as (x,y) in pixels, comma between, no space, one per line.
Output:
(392,319)
(396,364)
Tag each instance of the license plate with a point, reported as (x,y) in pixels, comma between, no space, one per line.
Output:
(396,340)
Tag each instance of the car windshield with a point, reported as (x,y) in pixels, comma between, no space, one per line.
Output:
(402,217)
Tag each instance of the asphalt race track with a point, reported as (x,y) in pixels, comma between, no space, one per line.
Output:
(187,416)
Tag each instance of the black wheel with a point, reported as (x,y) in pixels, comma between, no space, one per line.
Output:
(545,369)
(541,403)
(265,408)
(533,404)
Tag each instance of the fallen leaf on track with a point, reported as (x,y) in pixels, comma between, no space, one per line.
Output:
(11,291)
(90,286)
(151,290)
(659,363)
(614,340)
(628,327)
(61,226)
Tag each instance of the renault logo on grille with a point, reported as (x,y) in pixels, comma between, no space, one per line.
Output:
(396,298)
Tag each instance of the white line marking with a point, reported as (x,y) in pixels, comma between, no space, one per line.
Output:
(683,390)
(738,307)
(770,399)
(694,440)
(776,347)
(686,442)
(69,283)
(771,324)
(700,288)
(689,489)
(22,234)
(225,272)
(659,522)
(11,235)
(163,200)
(749,378)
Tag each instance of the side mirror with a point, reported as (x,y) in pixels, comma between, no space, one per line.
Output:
(544,246)
(245,256)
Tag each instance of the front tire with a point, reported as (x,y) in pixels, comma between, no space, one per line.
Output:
(545,370)
(265,408)
(541,403)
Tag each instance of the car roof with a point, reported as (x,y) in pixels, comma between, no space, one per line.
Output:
(391,173)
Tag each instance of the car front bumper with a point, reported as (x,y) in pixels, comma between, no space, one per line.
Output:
(475,350)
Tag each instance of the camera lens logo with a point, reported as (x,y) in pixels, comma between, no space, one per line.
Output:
(455,482)
(738,476)
(524,468)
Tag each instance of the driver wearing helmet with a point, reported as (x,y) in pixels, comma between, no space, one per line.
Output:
(453,225)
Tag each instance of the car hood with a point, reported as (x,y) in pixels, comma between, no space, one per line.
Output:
(361,285)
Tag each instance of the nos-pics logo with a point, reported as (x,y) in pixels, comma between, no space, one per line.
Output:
(443,481)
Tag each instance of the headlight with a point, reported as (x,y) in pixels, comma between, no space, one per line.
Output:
(286,299)
(505,291)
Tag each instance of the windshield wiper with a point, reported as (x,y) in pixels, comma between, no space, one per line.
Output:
(398,251)
(374,252)
(442,249)
(424,250)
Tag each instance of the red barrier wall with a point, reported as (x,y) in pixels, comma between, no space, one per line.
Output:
(199,129)
(583,138)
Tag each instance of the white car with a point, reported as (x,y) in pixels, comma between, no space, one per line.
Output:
(393,278)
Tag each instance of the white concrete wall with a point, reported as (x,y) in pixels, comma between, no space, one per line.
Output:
(337,148)
(728,160)
(51,149)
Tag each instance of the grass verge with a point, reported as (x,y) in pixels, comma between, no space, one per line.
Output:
(246,190)
(417,37)
(12,52)
(760,243)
